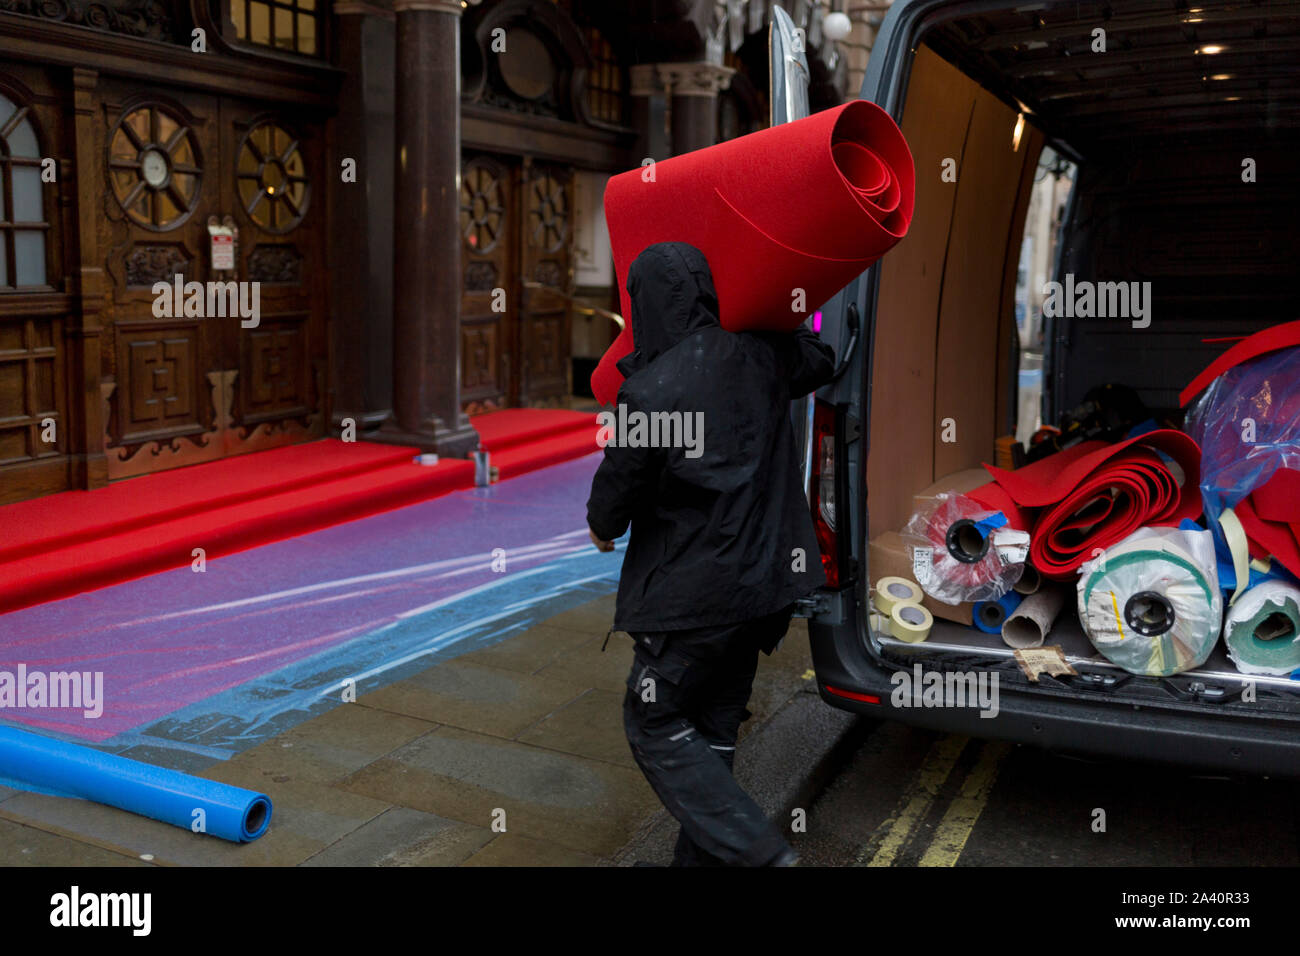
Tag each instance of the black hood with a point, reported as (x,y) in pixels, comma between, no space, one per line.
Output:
(672,297)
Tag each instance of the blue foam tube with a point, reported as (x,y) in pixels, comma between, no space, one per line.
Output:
(33,762)
(989,615)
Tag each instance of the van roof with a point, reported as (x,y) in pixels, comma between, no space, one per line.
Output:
(1170,69)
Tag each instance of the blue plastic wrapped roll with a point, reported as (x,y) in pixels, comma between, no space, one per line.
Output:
(32,762)
(989,615)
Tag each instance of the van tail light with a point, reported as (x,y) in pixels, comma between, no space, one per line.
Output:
(852,695)
(823,490)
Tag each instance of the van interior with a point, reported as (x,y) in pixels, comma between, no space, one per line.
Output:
(1169,155)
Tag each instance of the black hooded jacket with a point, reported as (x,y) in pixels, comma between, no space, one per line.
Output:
(721,531)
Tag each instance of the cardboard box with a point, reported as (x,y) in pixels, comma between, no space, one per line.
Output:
(889,556)
(960,482)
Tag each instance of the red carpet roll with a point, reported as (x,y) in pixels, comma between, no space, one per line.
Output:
(1096,494)
(806,205)
(1270,516)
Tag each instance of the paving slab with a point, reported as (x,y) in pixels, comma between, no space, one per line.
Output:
(586,664)
(405,837)
(594,617)
(477,697)
(530,651)
(28,846)
(591,726)
(333,745)
(510,849)
(583,804)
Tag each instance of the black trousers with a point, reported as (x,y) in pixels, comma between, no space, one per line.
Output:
(686,699)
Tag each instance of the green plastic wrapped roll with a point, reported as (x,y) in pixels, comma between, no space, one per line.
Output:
(1263,629)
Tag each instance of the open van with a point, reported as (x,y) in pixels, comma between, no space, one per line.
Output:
(1150,141)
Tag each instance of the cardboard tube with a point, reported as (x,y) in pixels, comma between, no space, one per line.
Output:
(1030,580)
(1029,624)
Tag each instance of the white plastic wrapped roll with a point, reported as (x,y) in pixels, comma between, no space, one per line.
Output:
(1151,604)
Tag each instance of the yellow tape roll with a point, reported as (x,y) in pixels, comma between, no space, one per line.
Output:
(891,592)
(910,622)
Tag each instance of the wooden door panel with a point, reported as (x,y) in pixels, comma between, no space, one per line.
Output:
(488,224)
(162,391)
(547,259)
(481,360)
(276,164)
(274,370)
(161,174)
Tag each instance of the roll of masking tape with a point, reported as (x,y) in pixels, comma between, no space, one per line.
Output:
(1263,629)
(891,592)
(910,622)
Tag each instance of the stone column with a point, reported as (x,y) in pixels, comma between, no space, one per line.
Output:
(648,112)
(426,231)
(694,88)
(361,246)
(675,106)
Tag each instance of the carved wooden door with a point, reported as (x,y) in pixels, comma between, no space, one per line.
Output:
(517,226)
(546,260)
(489,291)
(277,195)
(239,368)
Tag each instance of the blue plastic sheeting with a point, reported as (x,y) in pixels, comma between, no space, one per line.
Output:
(244,716)
(1248,426)
(32,762)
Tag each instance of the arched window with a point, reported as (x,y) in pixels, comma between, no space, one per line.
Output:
(22,208)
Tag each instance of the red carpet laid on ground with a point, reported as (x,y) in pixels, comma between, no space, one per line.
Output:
(76,541)
(524,439)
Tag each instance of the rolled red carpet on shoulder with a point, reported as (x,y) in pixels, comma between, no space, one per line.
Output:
(805,205)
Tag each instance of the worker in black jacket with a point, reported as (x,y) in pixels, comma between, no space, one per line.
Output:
(722,542)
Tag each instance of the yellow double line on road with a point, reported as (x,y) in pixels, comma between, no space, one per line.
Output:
(958,821)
